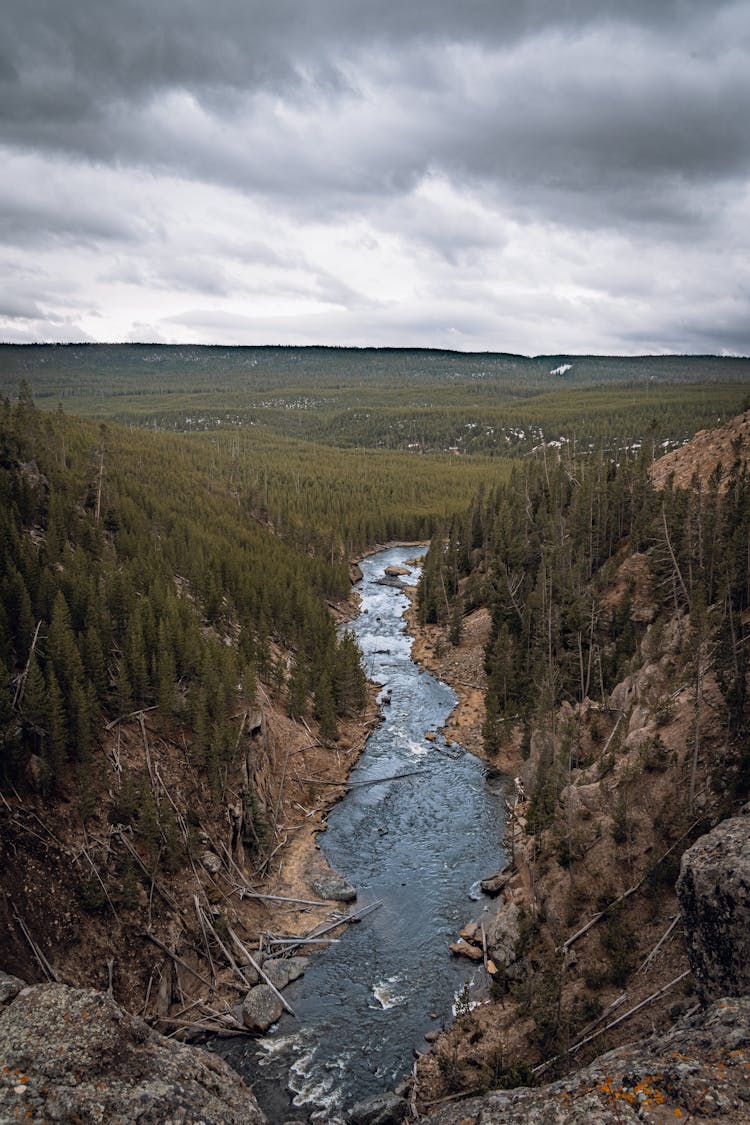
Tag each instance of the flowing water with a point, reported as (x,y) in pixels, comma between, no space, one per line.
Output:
(418,846)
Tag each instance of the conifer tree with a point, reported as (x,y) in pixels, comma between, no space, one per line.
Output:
(325,710)
(56,743)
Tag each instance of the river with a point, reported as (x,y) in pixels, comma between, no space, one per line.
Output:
(417,845)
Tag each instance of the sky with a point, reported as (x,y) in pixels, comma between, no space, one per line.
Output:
(533,176)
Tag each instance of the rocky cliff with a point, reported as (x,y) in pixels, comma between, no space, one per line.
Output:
(699,1066)
(714,893)
(616,776)
(73,1055)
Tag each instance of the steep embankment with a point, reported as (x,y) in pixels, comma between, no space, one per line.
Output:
(585,940)
(698,1065)
(91,902)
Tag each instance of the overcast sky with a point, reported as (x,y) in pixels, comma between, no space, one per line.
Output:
(512,175)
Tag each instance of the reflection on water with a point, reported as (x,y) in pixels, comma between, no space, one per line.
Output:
(417,845)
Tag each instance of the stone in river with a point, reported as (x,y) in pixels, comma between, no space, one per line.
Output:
(462,948)
(396,571)
(281,970)
(494,884)
(261,1008)
(334,887)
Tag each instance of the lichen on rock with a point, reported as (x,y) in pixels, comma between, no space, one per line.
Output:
(714,894)
(74,1055)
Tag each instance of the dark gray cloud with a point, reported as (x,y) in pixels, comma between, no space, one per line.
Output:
(379,156)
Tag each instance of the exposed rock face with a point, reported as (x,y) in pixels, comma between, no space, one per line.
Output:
(74,1055)
(697,1068)
(503,932)
(714,893)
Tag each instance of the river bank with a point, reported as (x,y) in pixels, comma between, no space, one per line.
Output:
(462,667)
(419,820)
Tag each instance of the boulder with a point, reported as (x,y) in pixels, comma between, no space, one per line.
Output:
(714,893)
(382,1109)
(72,1054)
(249,972)
(334,887)
(282,970)
(260,1008)
(495,884)
(211,862)
(462,948)
(397,571)
(9,988)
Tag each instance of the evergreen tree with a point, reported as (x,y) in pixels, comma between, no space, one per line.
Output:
(325,709)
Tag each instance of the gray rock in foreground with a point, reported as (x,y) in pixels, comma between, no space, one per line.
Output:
(698,1068)
(71,1054)
(714,894)
(9,988)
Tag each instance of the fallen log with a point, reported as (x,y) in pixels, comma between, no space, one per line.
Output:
(245,893)
(264,977)
(360,784)
(176,958)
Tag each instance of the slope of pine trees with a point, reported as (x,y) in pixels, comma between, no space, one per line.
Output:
(131,579)
(541,553)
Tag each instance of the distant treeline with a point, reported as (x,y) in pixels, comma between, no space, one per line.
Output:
(411,400)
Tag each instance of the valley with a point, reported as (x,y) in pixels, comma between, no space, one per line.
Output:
(198,659)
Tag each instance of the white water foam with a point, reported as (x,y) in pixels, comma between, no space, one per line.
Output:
(417,750)
(311,1087)
(462,1001)
(387,992)
(273,1047)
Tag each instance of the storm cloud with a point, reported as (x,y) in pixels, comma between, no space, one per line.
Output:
(529,176)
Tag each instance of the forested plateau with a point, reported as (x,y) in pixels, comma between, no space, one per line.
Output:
(179,530)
